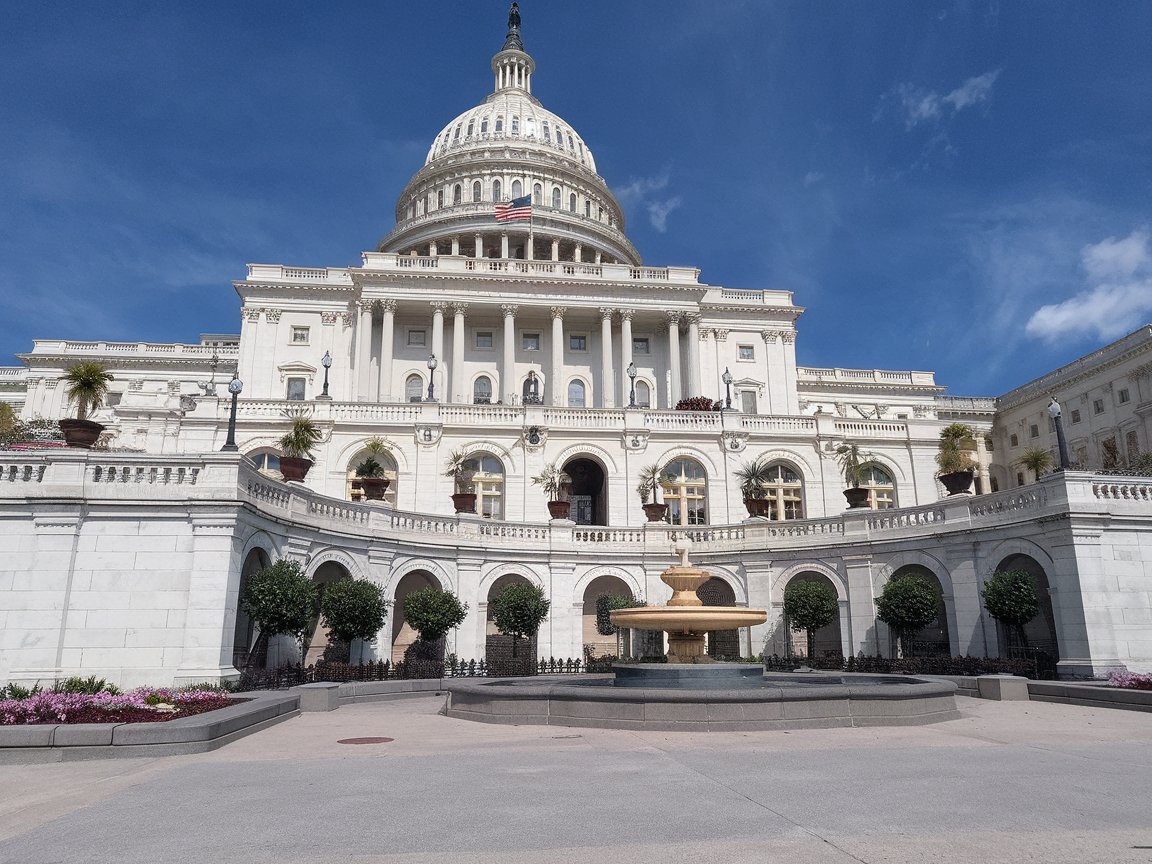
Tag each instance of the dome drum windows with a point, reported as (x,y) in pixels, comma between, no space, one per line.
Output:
(497,191)
(537,194)
(476,191)
(556,197)
(515,125)
(499,124)
(457,194)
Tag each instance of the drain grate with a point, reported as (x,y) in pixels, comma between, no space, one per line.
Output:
(376,740)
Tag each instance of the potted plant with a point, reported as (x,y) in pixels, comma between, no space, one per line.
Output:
(372,479)
(854,465)
(649,481)
(957,442)
(87,386)
(1037,460)
(754,477)
(555,483)
(462,468)
(296,448)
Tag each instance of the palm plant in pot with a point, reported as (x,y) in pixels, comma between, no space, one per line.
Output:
(296,446)
(650,476)
(555,482)
(957,442)
(1037,460)
(87,386)
(371,472)
(754,478)
(854,464)
(461,467)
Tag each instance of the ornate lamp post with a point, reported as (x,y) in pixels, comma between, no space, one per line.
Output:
(326,362)
(432,364)
(234,387)
(727,379)
(1055,413)
(632,385)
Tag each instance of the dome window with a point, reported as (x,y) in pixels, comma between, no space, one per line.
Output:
(476,191)
(529,127)
(412,210)
(499,125)
(547,133)
(588,209)
(496,190)
(457,194)
(515,125)
(556,198)
(517,189)
(572,202)
(484,126)
(456,137)
(471,126)
(440,199)
(537,195)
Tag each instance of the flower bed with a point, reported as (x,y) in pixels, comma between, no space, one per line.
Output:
(1130,681)
(143,705)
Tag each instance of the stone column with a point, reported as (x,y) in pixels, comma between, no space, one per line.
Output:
(508,368)
(674,356)
(441,373)
(606,377)
(556,386)
(364,351)
(694,355)
(529,251)
(504,244)
(625,353)
(775,374)
(458,391)
(387,350)
(555,249)
(210,620)
(478,250)
(455,245)
(577,255)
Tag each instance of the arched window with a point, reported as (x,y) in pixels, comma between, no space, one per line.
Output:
(881,489)
(532,391)
(529,127)
(537,194)
(476,191)
(547,133)
(588,209)
(414,388)
(643,395)
(457,194)
(496,190)
(515,125)
(440,199)
(686,492)
(556,197)
(499,125)
(267,462)
(471,126)
(785,490)
(412,210)
(484,126)
(517,189)
(482,390)
(576,393)
(572,202)
(352,487)
(488,484)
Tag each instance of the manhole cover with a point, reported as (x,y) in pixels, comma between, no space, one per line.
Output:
(365,740)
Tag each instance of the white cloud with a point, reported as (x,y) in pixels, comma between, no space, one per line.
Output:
(658,212)
(638,189)
(639,193)
(1118,301)
(921,105)
(972,91)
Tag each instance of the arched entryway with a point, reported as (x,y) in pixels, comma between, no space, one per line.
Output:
(588,492)
(932,639)
(590,636)
(827,640)
(244,634)
(498,648)
(402,633)
(721,643)
(1040,632)
(316,641)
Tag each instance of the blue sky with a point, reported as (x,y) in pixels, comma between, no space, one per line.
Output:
(958,187)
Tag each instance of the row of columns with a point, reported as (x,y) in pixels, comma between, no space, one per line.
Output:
(505,248)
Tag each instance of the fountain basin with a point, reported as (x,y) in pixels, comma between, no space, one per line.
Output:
(685,619)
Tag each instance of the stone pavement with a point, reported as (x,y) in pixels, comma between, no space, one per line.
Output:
(1009,781)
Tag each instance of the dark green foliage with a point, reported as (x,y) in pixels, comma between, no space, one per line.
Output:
(1010,597)
(280,599)
(1141,464)
(425,659)
(432,612)
(354,609)
(519,610)
(936,665)
(370,468)
(23,431)
(605,603)
(89,686)
(810,606)
(19,691)
(907,605)
(87,385)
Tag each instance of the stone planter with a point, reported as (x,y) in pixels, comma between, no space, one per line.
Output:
(857,498)
(759,507)
(374,487)
(655,512)
(294,469)
(559,509)
(464,502)
(957,482)
(80,433)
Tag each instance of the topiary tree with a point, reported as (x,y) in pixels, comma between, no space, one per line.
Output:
(907,605)
(354,609)
(519,610)
(281,600)
(809,606)
(1010,597)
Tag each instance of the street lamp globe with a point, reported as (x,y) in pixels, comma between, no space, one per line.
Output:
(432,364)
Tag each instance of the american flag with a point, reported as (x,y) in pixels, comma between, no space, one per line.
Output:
(517,208)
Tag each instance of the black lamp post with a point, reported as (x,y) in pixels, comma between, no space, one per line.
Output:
(727,379)
(326,362)
(234,387)
(432,364)
(1054,412)
(632,385)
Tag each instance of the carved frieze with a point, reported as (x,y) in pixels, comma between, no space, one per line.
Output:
(273,315)
(636,440)
(251,313)
(734,440)
(328,318)
(428,434)
(534,437)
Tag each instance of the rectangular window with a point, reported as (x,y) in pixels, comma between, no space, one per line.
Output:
(1033,431)
(641,345)
(746,352)
(299,335)
(112,399)
(483,338)
(296,388)
(577,342)
(1075,415)
(748,401)
(1122,396)
(1019,478)
(530,341)
(1097,406)
(416,338)
(1014,440)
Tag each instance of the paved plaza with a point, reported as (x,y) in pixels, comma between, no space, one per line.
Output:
(1009,781)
